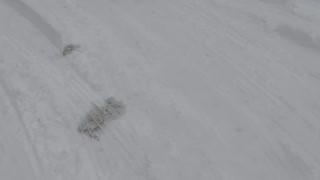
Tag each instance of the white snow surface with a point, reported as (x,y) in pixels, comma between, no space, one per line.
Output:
(214,89)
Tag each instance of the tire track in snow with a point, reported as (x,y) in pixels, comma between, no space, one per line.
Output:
(78,79)
(35,160)
(238,37)
(37,21)
(232,32)
(53,74)
(252,85)
(77,88)
(78,83)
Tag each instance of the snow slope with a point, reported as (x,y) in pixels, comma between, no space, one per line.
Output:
(214,89)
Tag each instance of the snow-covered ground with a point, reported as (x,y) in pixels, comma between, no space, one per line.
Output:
(214,89)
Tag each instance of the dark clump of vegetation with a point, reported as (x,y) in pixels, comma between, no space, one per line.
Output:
(97,118)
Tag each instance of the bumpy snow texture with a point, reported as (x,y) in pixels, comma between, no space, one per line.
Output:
(96,119)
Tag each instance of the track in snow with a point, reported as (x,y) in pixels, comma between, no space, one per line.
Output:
(216,89)
(38,21)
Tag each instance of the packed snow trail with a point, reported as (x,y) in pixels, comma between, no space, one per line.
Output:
(28,13)
(214,89)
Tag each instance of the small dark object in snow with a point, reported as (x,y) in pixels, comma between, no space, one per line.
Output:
(96,119)
(70,48)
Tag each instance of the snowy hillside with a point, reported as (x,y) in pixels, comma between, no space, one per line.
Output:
(213,89)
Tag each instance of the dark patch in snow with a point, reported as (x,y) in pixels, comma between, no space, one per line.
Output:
(97,118)
(297,36)
(69,49)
